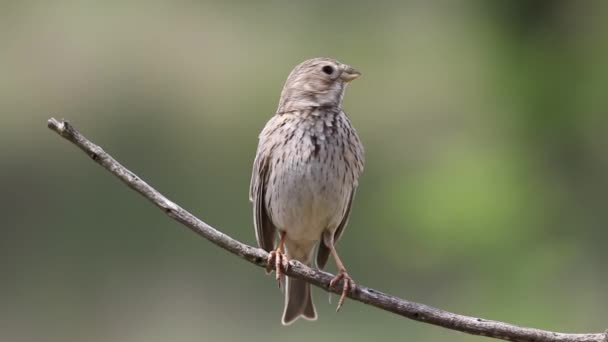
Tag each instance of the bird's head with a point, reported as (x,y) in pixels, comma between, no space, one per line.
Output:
(314,83)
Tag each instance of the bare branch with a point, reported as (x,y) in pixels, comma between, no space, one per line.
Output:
(412,310)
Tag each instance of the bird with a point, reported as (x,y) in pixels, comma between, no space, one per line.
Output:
(305,174)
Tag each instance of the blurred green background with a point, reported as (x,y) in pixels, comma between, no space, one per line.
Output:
(485,190)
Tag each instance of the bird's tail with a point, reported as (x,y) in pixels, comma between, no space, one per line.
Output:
(298,299)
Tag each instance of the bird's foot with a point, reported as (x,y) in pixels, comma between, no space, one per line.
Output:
(347,285)
(278,261)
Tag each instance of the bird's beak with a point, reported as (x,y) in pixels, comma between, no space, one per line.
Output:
(349,73)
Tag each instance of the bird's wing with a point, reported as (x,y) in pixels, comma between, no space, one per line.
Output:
(323,250)
(265,231)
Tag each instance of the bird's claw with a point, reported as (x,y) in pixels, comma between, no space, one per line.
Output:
(278,261)
(347,285)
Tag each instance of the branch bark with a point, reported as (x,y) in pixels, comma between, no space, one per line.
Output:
(415,311)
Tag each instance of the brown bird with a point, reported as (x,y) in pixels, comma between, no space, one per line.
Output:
(305,175)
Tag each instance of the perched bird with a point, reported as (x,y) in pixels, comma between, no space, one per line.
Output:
(305,174)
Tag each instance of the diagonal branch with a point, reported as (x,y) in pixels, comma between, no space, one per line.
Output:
(411,310)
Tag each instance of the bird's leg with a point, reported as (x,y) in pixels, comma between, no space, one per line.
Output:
(278,259)
(347,282)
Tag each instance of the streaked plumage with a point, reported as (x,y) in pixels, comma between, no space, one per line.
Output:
(305,173)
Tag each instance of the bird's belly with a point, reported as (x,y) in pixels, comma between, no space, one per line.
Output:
(307,199)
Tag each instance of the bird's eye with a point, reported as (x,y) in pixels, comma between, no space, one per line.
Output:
(328,69)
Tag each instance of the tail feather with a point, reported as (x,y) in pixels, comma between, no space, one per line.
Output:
(309,311)
(298,302)
(298,297)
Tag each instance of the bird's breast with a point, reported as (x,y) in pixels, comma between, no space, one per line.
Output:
(310,180)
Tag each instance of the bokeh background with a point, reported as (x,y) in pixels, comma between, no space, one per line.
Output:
(485,191)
